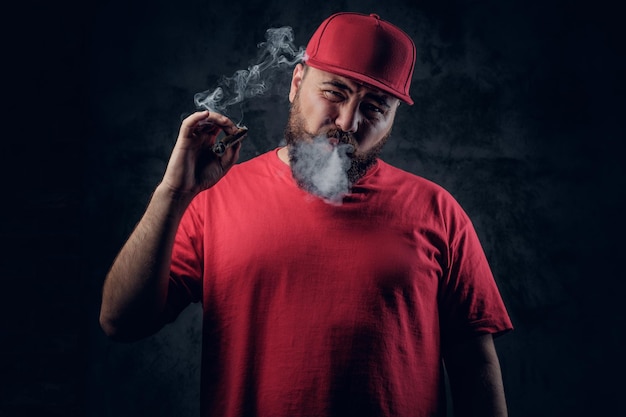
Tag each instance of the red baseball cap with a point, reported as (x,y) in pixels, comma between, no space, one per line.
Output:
(365,48)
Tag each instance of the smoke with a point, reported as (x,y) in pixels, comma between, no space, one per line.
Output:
(322,168)
(277,52)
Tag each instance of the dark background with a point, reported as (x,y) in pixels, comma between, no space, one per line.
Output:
(519,113)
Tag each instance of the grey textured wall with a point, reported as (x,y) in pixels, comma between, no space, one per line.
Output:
(519,114)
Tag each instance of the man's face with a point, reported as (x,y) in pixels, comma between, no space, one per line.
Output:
(328,110)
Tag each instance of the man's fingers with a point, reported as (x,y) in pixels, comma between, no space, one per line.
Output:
(206,122)
(191,122)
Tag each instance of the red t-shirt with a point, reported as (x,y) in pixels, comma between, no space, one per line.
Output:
(314,309)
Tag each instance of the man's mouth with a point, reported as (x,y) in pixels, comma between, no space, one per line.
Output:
(336,137)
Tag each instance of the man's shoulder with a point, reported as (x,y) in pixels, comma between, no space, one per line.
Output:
(264,163)
(396,176)
(410,189)
(244,179)
(268,157)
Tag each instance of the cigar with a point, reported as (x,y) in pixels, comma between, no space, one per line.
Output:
(226,142)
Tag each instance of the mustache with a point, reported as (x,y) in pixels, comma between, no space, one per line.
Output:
(341,136)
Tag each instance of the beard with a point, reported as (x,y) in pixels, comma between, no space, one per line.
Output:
(326,164)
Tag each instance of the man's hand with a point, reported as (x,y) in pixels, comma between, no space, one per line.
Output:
(193,166)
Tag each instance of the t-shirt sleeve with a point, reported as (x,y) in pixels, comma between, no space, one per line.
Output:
(186,270)
(470,302)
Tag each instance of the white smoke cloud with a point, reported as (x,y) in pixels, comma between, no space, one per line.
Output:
(321,168)
(277,52)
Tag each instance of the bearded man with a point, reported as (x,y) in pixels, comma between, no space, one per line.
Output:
(332,283)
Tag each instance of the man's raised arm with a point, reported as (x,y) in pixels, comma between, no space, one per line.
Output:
(135,289)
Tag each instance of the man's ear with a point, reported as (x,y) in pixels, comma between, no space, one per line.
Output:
(296,79)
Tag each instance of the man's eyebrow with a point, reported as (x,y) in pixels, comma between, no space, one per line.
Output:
(381,100)
(338,84)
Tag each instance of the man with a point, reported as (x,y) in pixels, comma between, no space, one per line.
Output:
(332,284)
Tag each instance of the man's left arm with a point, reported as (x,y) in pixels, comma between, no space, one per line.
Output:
(475,378)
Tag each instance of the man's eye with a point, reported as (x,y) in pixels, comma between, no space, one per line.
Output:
(333,95)
(371,108)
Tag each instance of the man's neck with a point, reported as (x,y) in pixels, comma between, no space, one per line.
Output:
(283,154)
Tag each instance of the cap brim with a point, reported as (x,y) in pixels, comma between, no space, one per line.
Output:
(359,77)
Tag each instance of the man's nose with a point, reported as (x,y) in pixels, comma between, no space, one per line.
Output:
(348,118)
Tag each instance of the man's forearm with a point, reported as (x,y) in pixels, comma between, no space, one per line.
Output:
(481,394)
(476,379)
(135,289)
